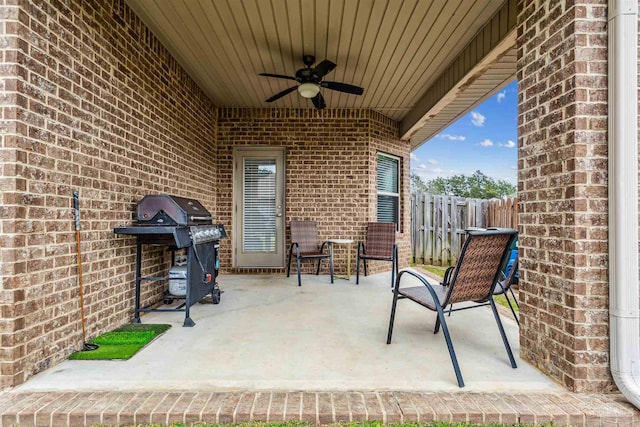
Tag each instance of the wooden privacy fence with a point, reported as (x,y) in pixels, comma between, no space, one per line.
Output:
(438,224)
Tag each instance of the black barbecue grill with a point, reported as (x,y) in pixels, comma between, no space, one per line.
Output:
(178,223)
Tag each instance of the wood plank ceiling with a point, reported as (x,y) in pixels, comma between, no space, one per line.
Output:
(394,49)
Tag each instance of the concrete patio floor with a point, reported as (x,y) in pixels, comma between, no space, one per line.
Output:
(274,351)
(269,334)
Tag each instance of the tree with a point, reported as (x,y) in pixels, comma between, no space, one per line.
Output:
(478,186)
(417,184)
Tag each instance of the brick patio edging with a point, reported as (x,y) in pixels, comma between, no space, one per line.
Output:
(323,407)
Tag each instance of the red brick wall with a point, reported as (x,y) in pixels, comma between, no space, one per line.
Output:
(92,103)
(562,126)
(330,169)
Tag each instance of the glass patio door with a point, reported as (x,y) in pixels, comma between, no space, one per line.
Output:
(259,207)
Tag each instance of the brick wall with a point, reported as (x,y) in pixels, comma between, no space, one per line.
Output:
(562,127)
(330,170)
(92,103)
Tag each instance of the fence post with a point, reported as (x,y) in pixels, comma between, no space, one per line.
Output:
(426,253)
(415,221)
(453,239)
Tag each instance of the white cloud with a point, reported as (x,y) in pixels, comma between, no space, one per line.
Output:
(486,143)
(501,96)
(477,119)
(508,144)
(433,161)
(422,166)
(452,137)
(414,157)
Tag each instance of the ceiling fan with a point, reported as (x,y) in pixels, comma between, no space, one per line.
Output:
(310,81)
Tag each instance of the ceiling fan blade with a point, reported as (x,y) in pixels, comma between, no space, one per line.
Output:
(318,101)
(281,94)
(324,68)
(278,76)
(343,87)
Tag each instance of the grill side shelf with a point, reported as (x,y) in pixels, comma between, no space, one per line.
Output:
(158,235)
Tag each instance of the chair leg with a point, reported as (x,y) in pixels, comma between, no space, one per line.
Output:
(393,315)
(396,254)
(452,353)
(364,261)
(393,270)
(298,262)
(358,268)
(331,262)
(514,297)
(394,265)
(318,269)
(515,316)
(289,260)
(506,295)
(503,334)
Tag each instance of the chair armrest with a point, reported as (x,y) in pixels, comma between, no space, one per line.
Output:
(297,250)
(422,279)
(447,276)
(328,243)
(361,248)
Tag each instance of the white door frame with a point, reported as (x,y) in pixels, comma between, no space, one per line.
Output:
(270,259)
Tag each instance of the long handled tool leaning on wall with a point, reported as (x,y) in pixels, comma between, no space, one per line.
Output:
(76,212)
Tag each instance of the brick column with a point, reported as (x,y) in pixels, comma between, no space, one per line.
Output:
(562,186)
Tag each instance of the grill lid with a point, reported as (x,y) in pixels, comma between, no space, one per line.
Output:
(163,209)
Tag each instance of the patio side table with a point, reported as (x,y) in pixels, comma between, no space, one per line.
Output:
(347,243)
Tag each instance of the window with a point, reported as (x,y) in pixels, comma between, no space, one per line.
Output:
(388,189)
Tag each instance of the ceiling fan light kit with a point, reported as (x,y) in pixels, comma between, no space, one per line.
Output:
(310,81)
(308,90)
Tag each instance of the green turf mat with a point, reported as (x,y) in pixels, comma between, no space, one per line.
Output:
(121,343)
(124,338)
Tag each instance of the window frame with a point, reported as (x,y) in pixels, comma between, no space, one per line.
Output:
(397,161)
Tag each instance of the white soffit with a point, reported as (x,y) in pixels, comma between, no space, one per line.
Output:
(395,49)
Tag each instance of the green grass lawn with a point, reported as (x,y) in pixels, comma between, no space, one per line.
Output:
(435,269)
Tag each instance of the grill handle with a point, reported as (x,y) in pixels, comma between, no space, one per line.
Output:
(200,218)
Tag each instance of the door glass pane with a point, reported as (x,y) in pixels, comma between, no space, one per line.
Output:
(259,216)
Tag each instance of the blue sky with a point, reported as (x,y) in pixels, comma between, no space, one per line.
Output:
(484,139)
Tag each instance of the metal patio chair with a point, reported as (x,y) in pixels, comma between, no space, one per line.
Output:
(380,246)
(473,280)
(304,238)
(503,287)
